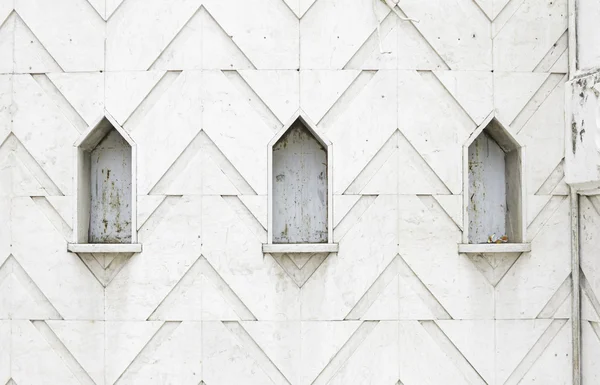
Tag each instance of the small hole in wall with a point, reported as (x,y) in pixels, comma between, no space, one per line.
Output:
(494,188)
(299,187)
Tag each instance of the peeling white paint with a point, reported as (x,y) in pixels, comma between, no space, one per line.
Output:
(582,146)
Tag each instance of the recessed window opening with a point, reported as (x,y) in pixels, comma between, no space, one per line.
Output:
(300,195)
(494,188)
(104,187)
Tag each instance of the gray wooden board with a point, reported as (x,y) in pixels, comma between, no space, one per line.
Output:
(110,182)
(299,188)
(487,190)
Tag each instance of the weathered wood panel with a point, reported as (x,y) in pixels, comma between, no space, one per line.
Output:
(514,196)
(487,190)
(110,184)
(299,188)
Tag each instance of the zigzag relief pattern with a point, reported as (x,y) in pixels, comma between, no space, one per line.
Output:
(210,32)
(202,88)
(203,154)
(24,174)
(199,282)
(104,266)
(21,297)
(400,273)
(34,57)
(385,34)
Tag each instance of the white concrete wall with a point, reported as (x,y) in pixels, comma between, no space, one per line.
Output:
(202,87)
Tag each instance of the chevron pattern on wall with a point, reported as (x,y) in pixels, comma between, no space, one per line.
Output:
(202,87)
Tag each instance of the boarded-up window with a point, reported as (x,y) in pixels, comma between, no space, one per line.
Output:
(299,187)
(494,188)
(110,188)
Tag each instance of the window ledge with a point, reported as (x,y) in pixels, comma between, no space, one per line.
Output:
(104,247)
(300,248)
(487,248)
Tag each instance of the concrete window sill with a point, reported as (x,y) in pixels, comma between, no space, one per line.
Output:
(490,248)
(300,248)
(104,247)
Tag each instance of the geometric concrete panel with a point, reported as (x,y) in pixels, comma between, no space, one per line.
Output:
(203,87)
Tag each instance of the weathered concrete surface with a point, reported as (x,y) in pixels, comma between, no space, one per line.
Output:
(202,88)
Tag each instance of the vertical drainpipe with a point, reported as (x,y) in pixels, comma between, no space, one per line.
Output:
(576,298)
(574,198)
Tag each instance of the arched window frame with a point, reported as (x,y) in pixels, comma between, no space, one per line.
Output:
(271,247)
(502,135)
(81,189)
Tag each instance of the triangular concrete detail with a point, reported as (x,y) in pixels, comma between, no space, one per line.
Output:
(397,168)
(217,174)
(300,267)
(105,267)
(31,178)
(27,52)
(412,294)
(24,298)
(201,294)
(494,266)
(202,43)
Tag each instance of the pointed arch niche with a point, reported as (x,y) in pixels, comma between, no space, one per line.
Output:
(494,192)
(105,204)
(300,190)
